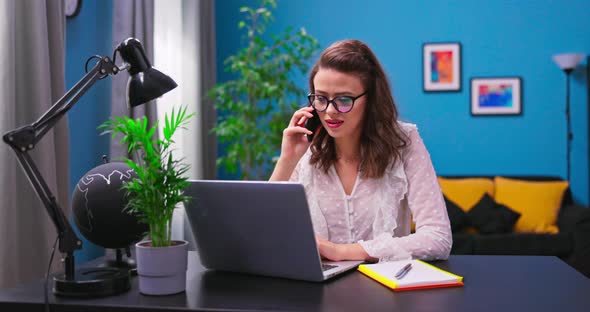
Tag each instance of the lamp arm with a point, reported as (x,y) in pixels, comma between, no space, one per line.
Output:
(24,139)
(68,240)
(103,68)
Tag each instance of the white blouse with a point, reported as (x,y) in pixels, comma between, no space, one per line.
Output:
(378,212)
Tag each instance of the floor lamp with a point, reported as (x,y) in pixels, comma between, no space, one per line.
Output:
(567,62)
(588,119)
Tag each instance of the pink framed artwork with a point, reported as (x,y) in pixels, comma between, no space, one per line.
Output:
(441,66)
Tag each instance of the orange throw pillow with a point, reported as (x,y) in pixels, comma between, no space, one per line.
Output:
(538,202)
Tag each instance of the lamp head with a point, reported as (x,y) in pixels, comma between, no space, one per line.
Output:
(146,83)
(568,61)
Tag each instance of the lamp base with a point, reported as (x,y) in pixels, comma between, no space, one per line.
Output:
(92,282)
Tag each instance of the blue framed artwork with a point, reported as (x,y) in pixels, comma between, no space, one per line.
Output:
(496,96)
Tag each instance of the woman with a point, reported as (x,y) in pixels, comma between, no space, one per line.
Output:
(366,174)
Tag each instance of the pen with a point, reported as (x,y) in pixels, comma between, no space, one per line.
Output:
(401,273)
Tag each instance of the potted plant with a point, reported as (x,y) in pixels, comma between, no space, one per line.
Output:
(153,195)
(257,103)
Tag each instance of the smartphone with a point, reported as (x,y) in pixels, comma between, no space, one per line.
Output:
(312,124)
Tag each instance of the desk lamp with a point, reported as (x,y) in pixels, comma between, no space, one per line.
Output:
(145,84)
(567,62)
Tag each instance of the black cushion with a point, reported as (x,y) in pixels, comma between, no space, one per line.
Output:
(458,217)
(489,217)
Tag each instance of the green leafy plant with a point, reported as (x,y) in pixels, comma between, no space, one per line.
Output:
(256,106)
(160,181)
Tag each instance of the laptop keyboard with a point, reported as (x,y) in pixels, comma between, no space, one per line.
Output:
(326,267)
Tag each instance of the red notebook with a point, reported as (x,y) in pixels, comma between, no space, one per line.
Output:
(421,275)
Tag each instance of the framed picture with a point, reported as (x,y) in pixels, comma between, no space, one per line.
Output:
(496,96)
(441,66)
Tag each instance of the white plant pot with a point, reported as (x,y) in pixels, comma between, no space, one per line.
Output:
(161,270)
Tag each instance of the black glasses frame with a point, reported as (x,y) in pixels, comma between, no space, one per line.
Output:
(311,96)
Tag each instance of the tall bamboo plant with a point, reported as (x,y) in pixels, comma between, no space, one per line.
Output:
(161,179)
(256,105)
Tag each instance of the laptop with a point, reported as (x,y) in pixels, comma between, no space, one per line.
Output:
(257,227)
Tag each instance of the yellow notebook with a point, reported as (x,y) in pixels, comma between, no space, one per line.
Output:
(421,275)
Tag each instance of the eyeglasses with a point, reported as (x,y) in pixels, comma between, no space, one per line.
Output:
(341,103)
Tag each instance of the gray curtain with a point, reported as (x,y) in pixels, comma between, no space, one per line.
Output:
(198,77)
(32,77)
(208,79)
(185,49)
(131,18)
(200,146)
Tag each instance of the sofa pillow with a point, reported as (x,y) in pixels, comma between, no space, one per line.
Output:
(458,217)
(489,217)
(466,192)
(538,202)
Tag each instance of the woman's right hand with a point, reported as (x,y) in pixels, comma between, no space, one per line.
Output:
(294,144)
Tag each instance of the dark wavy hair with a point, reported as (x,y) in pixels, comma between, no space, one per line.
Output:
(381,139)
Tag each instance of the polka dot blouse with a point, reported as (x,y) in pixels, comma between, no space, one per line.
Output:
(378,213)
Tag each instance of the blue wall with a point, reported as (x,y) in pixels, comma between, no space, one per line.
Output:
(498,38)
(88,34)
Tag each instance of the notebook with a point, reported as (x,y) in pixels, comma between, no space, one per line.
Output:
(257,227)
(422,275)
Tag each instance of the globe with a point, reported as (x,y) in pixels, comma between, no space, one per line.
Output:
(98,204)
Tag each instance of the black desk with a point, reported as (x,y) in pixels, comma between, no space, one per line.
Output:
(492,283)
